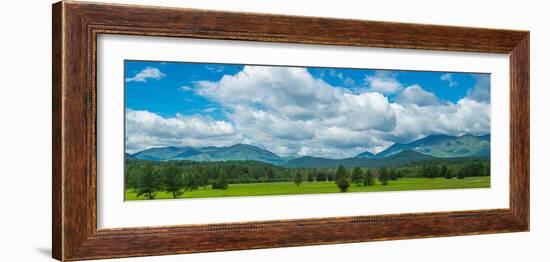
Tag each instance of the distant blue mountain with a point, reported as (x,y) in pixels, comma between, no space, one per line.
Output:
(445,146)
(430,147)
(401,158)
(486,137)
(128,156)
(162,153)
(235,152)
(366,154)
(188,153)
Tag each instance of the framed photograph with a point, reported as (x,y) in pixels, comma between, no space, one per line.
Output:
(182,130)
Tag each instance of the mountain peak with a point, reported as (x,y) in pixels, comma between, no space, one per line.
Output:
(436,137)
(161,153)
(365,154)
(240,145)
(444,146)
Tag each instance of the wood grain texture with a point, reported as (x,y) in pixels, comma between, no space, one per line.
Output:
(519,129)
(76,26)
(57,195)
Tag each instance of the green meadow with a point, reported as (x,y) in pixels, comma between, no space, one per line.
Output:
(290,188)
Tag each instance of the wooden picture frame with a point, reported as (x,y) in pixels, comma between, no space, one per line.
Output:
(76,26)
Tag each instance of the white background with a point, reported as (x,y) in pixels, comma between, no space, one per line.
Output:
(25,136)
(114,212)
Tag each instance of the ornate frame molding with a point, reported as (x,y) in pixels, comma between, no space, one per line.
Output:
(76,26)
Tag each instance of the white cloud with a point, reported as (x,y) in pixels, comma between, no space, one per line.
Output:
(415,95)
(210,109)
(448,77)
(185,88)
(366,111)
(482,89)
(383,82)
(291,92)
(145,129)
(215,68)
(414,122)
(291,113)
(147,73)
(346,81)
(336,74)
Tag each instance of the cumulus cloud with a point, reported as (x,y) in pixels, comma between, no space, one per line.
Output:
(415,95)
(414,121)
(366,111)
(291,92)
(383,82)
(145,129)
(147,73)
(292,113)
(448,77)
(297,113)
(482,89)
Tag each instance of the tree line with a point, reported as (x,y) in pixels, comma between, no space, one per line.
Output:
(361,177)
(179,176)
(473,169)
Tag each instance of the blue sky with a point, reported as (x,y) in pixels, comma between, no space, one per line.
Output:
(165,97)
(302,106)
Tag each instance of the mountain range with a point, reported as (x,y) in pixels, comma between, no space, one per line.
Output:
(211,153)
(441,146)
(430,147)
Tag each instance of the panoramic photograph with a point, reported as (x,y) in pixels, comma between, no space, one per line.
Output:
(199,130)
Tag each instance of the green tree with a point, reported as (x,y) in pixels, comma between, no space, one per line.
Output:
(263,178)
(435,171)
(298,179)
(310,177)
(193,180)
(384,176)
(330,176)
(477,169)
(203,179)
(474,169)
(173,180)
(425,171)
(357,175)
(149,182)
(446,173)
(341,179)
(400,173)
(131,177)
(393,174)
(461,174)
(321,176)
(368,179)
(253,173)
(270,173)
(221,182)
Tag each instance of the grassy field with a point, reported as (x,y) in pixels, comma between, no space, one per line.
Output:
(289,188)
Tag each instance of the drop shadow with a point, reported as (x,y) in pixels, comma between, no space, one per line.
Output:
(46,251)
